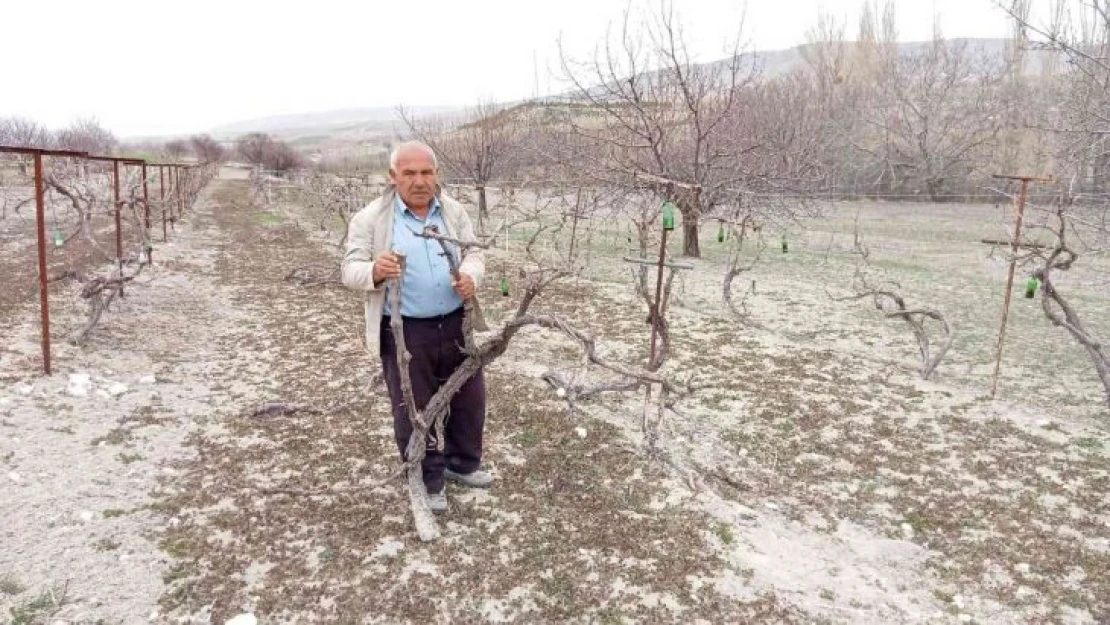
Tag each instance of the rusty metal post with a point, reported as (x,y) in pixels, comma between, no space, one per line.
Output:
(147,239)
(179,193)
(119,228)
(162,199)
(44,291)
(1015,245)
(658,294)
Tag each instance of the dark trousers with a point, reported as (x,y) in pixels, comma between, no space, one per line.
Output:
(436,349)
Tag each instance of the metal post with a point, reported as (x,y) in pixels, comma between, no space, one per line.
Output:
(179,192)
(149,249)
(658,294)
(1015,245)
(119,229)
(162,199)
(44,292)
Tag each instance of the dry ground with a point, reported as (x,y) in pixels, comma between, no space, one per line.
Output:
(814,479)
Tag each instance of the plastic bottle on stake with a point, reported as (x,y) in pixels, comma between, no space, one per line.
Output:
(504,285)
(668,216)
(1031,287)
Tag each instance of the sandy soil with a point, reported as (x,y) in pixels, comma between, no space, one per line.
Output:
(814,478)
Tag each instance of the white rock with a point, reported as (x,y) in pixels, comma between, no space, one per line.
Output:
(770,506)
(562,392)
(1023,568)
(24,389)
(102,394)
(117,389)
(1044,423)
(153,616)
(148,379)
(965,618)
(580,431)
(4,401)
(243,619)
(85,515)
(907,531)
(79,384)
(13,476)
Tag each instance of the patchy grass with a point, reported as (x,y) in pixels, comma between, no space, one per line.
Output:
(116,436)
(41,607)
(10,584)
(106,544)
(568,518)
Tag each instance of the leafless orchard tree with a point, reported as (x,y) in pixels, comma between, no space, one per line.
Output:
(262,150)
(22,132)
(477,147)
(885,296)
(87,135)
(655,120)
(933,115)
(207,149)
(1078,222)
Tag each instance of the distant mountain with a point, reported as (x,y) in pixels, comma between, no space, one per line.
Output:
(318,129)
(323,122)
(773,63)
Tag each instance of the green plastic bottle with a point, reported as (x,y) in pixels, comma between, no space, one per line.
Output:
(59,238)
(721,234)
(504,286)
(1032,285)
(785,247)
(668,216)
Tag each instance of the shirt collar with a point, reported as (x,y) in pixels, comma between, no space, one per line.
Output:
(402,208)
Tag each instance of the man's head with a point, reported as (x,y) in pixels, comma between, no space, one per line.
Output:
(414,171)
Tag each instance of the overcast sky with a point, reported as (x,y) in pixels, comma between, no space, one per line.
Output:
(151,68)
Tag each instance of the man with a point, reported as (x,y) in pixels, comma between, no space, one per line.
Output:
(431,307)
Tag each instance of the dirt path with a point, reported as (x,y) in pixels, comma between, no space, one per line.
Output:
(82,451)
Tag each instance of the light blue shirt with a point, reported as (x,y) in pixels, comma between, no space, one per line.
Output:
(428,291)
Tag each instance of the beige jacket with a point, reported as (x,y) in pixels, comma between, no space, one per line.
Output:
(371,231)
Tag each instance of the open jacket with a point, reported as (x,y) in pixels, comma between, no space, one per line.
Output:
(371,232)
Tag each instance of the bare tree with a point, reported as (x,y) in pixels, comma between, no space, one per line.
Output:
(87,135)
(887,300)
(664,118)
(263,150)
(23,132)
(253,147)
(1074,140)
(933,115)
(207,149)
(176,148)
(476,148)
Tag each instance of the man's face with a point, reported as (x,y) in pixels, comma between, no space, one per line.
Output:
(415,177)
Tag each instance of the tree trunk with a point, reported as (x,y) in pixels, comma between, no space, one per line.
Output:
(690,246)
(483,212)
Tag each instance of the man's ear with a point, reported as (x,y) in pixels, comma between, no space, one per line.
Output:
(392,176)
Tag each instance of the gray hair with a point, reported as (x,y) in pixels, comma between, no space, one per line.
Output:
(420,145)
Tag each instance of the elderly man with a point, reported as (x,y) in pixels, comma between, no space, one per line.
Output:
(431,307)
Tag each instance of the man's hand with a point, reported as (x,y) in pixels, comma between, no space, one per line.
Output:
(386,267)
(464,286)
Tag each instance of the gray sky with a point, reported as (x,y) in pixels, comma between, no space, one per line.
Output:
(145,68)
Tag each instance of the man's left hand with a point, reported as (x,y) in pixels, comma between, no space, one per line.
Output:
(464,286)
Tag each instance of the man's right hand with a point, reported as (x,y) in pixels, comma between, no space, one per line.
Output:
(386,267)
